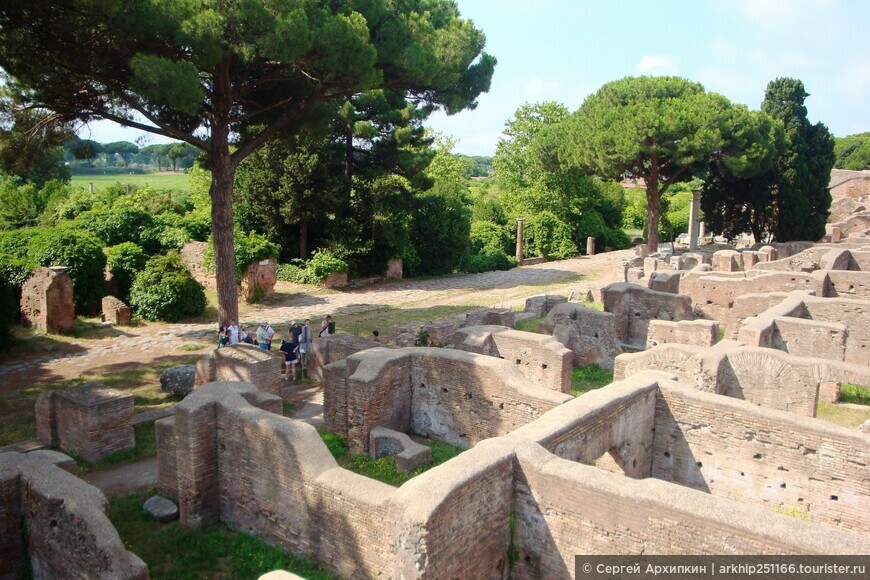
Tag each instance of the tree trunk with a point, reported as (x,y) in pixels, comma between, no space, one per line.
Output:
(221,193)
(303,240)
(652,208)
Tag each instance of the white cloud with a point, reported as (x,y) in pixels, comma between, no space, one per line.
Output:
(656,64)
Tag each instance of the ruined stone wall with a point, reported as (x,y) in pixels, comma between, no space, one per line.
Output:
(714,294)
(92,420)
(563,509)
(47,300)
(68,533)
(464,398)
(763,457)
(378,390)
(540,358)
(696,332)
(634,307)
(751,305)
(617,421)
(848,284)
(854,315)
(588,333)
(335,347)
(242,362)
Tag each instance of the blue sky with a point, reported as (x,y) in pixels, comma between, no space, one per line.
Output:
(564,50)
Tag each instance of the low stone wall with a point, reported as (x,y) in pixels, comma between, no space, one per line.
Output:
(47,300)
(541,358)
(242,362)
(93,420)
(540,306)
(260,472)
(588,333)
(634,307)
(115,311)
(697,332)
(490,316)
(752,305)
(804,325)
(67,532)
(848,284)
(759,456)
(457,397)
(335,347)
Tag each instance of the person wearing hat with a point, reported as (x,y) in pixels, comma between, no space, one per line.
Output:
(295,332)
(264,335)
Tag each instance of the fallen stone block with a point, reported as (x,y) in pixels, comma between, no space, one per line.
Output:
(178,380)
(409,454)
(161,509)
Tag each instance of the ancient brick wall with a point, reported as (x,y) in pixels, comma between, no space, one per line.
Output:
(563,509)
(330,349)
(92,420)
(378,390)
(758,456)
(589,334)
(848,284)
(259,279)
(617,421)
(751,305)
(696,332)
(540,358)
(634,307)
(671,358)
(69,535)
(47,300)
(713,294)
(242,362)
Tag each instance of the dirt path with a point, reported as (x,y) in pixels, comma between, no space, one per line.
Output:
(126,347)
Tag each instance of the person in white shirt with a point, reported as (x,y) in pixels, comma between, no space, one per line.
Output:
(234,332)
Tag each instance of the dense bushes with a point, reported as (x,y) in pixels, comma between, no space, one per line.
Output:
(322,264)
(82,253)
(124,261)
(8,306)
(248,249)
(165,290)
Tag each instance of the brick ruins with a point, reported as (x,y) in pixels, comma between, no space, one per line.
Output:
(700,446)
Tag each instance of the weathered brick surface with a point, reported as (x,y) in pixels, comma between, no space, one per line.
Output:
(69,535)
(330,349)
(92,420)
(167,469)
(542,359)
(696,332)
(563,509)
(241,362)
(668,282)
(540,306)
(455,396)
(588,333)
(727,261)
(259,279)
(490,316)
(848,284)
(757,456)
(115,311)
(47,300)
(634,307)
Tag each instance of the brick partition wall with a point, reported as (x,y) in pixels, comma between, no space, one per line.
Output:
(458,397)
(848,284)
(242,362)
(759,456)
(92,420)
(541,358)
(588,333)
(563,509)
(634,307)
(336,347)
(276,479)
(68,533)
(618,421)
(696,332)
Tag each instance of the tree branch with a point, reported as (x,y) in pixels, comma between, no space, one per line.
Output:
(271,130)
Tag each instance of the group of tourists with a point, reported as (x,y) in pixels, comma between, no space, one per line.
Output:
(295,348)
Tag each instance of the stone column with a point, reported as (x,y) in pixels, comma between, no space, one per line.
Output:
(91,188)
(590,246)
(694,220)
(702,230)
(520,241)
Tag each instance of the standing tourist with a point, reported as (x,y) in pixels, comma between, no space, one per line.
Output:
(264,335)
(233,329)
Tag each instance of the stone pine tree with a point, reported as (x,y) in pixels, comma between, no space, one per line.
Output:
(660,129)
(802,174)
(227,76)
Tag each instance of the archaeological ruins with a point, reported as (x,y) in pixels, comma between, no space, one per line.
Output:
(705,443)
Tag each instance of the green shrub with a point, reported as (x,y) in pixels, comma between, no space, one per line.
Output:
(489,238)
(295,272)
(124,262)
(324,262)
(125,224)
(165,290)
(82,253)
(248,249)
(551,237)
(489,261)
(851,393)
(14,269)
(8,307)
(440,233)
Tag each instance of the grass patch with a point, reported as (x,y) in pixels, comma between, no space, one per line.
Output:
(721,336)
(146,447)
(193,346)
(588,378)
(530,325)
(163,180)
(289,408)
(393,318)
(17,421)
(174,551)
(384,469)
(852,393)
(843,416)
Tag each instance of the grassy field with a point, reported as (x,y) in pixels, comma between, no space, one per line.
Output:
(175,180)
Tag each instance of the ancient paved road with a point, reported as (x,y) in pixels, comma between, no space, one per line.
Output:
(152,342)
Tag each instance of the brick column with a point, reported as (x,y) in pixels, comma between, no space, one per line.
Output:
(197,463)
